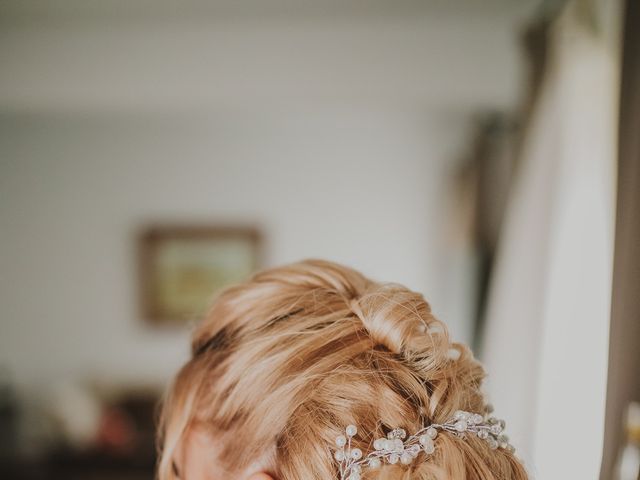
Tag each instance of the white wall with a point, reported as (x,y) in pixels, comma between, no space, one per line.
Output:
(335,132)
(354,188)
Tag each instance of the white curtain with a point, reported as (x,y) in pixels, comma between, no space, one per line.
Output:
(546,339)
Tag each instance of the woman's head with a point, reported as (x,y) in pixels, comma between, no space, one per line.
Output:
(283,362)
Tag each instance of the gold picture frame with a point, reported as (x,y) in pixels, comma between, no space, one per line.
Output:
(182,268)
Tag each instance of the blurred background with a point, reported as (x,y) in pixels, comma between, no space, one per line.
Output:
(152,152)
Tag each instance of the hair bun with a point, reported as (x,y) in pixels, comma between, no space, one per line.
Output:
(399,319)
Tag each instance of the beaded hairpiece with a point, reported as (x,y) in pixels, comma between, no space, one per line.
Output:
(397,447)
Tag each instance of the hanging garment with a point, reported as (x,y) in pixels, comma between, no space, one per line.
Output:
(546,337)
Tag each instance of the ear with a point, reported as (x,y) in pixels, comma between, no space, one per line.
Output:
(260,476)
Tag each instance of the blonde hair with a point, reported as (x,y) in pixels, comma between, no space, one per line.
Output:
(287,359)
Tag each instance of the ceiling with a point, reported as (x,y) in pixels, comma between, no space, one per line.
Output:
(156,55)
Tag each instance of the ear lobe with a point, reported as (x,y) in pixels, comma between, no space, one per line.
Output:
(260,476)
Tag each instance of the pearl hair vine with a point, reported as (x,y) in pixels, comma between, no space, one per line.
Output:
(397,447)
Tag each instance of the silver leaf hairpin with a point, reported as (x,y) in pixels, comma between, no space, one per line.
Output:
(397,447)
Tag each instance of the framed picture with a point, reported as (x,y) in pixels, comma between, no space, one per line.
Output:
(183,268)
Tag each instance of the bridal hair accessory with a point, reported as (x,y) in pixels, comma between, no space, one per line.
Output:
(397,447)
